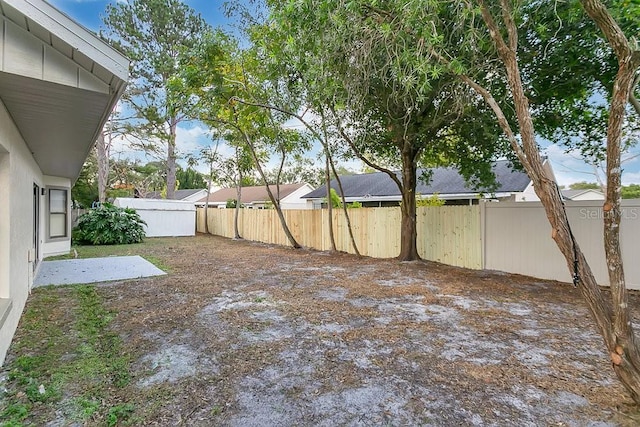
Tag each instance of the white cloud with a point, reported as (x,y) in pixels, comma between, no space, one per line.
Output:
(569,167)
(189,140)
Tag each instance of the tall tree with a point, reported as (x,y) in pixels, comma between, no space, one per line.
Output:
(155,34)
(392,112)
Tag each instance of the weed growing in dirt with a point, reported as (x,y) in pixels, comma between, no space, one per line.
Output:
(73,365)
(119,413)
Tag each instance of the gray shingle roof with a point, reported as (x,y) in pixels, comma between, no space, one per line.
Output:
(179,194)
(443,181)
(255,194)
(570,194)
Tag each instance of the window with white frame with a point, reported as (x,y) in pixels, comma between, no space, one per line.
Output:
(58,213)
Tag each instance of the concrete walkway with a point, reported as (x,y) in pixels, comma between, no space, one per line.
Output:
(93,270)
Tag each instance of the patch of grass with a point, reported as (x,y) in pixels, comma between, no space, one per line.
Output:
(75,365)
(119,413)
(89,251)
(158,263)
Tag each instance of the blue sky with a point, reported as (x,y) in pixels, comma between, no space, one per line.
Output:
(567,166)
(89,12)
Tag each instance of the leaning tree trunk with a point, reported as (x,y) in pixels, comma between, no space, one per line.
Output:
(345,209)
(408,227)
(275,202)
(327,178)
(206,204)
(612,317)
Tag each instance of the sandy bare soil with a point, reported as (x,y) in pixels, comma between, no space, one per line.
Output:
(246,334)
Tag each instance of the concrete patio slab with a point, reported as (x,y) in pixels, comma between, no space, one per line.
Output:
(93,270)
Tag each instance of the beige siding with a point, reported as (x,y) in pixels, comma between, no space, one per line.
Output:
(518,240)
(26,55)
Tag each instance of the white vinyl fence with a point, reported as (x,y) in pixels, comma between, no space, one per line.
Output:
(163,217)
(517,239)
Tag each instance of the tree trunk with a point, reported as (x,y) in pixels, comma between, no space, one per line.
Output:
(171,160)
(612,318)
(206,204)
(408,228)
(102,154)
(236,214)
(623,348)
(275,202)
(327,177)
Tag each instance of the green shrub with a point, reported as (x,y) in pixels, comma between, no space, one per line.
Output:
(109,225)
(433,201)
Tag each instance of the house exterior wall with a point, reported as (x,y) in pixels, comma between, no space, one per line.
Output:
(528,195)
(18,173)
(163,217)
(29,56)
(294,201)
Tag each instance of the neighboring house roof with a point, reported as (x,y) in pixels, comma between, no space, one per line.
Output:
(587,194)
(257,194)
(58,81)
(179,194)
(447,182)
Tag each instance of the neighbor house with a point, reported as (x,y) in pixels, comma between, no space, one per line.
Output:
(257,197)
(379,190)
(185,195)
(58,85)
(586,194)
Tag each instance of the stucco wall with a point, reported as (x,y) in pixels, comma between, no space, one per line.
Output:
(18,173)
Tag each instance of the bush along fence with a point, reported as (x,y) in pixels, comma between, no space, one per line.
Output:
(507,236)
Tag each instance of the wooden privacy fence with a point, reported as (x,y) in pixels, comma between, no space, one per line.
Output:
(507,236)
(447,234)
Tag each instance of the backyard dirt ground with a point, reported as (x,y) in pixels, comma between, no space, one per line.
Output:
(246,334)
